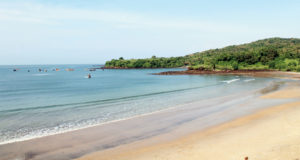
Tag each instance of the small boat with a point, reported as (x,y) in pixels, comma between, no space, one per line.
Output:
(69,69)
(16,69)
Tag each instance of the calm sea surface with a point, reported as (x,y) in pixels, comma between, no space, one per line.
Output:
(34,104)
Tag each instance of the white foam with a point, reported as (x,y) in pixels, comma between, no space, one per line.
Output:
(230,81)
(63,128)
(248,80)
(42,74)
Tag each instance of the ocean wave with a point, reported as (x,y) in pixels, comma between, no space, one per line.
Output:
(103,101)
(248,80)
(230,81)
(41,74)
(23,135)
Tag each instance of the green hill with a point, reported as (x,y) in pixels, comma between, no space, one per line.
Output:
(273,53)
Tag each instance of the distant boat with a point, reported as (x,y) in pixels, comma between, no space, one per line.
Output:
(16,69)
(88,76)
(69,69)
(92,69)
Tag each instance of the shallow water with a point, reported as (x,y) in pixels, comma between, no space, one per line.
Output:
(34,104)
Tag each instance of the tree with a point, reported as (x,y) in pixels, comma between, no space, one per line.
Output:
(147,65)
(235,65)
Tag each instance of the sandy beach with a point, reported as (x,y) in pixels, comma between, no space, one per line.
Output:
(137,132)
(260,124)
(149,80)
(271,133)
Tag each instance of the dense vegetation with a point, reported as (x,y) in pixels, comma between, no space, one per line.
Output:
(152,62)
(273,53)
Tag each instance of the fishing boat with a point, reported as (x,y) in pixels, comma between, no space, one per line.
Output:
(69,69)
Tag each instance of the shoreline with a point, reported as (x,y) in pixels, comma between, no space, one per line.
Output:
(28,138)
(84,127)
(177,123)
(199,72)
(270,133)
(254,73)
(85,141)
(90,126)
(123,68)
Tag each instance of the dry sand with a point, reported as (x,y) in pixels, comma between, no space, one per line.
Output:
(272,133)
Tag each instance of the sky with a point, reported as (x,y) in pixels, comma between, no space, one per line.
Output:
(94,31)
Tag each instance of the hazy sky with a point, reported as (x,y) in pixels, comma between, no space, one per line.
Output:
(93,31)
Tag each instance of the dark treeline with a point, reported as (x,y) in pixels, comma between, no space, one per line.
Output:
(152,62)
(273,53)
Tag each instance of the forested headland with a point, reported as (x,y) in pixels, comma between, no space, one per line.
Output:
(267,54)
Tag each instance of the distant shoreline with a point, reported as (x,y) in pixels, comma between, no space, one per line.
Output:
(251,72)
(126,68)
(199,72)
(254,73)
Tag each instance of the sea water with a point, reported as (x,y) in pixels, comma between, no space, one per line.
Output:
(35,104)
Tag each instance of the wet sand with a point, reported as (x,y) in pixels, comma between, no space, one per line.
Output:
(271,133)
